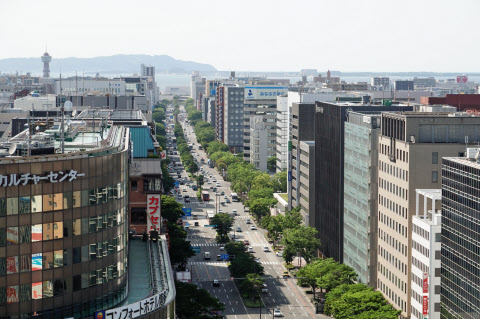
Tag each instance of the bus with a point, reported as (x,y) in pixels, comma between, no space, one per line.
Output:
(234,197)
(205,196)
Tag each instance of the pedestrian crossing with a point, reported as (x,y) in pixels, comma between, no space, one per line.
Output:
(218,244)
(270,262)
(206,263)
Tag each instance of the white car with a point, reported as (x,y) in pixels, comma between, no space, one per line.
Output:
(218,184)
(253,227)
(250,249)
(220,211)
(279,254)
(222,248)
(265,249)
(234,211)
(277,313)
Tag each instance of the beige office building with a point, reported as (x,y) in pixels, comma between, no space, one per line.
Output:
(411,147)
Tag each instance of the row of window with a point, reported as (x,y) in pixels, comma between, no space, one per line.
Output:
(392,296)
(401,155)
(392,188)
(393,171)
(393,278)
(57,287)
(12,235)
(60,201)
(59,258)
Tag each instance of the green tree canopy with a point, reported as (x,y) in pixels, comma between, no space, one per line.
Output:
(194,303)
(303,241)
(279,182)
(259,207)
(223,224)
(171,210)
(217,146)
(272,163)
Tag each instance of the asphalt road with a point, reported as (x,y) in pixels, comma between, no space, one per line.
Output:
(282,293)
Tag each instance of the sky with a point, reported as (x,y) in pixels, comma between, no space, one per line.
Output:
(258,35)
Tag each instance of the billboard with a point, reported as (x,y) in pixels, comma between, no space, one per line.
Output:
(425,305)
(462,79)
(425,283)
(153,212)
(264,92)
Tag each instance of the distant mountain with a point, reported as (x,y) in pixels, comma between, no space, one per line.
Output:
(124,64)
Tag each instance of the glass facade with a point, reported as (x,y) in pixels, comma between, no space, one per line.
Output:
(359,175)
(460,254)
(63,245)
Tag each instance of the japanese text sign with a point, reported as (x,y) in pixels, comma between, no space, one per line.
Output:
(153,212)
(51,177)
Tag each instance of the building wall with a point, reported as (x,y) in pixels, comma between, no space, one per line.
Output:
(360,195)
(258,143)
(461,101)
(233,116)
(460,288)
(67,240)
(114,87)
(404,167)
(282,133)
(306,185)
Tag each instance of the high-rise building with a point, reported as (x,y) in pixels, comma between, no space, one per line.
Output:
(219,113)
(460,278)
(329,163)
(360,195)
(46,59)
(258,143)
(303,129)
(411,146)
(381,82)
(424,82)
(282,133)
(426,245)
(147,70)
(305,184)
(233,117)
(261,100)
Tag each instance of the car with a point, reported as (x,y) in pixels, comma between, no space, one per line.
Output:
(279,254)
(208,182)
(227,201)
(264,288)
(285,274)
(234,211)
(220,211)
(218,184)
(216,283)
(184,190)
(182,182)
(248,221)
(250,250)
(257,260)
(238,230)
(277,313)
(225,196)
(253,227)
(222,248)
(214,180)
(246,209)
(265,249)
(246,242)
(222,192)
(179,196)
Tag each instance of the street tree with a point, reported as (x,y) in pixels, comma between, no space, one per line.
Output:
(303,241)
(194,303)
(259,207)
(279,182)
(262,181)
(223,224)
(271,163)
(244,264)
(335,294)
(275,226)
(292,219)
(171,210)
(309,275)
(337,275)
(217,146)
(252,285)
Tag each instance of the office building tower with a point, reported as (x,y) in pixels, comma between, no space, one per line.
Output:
(260,100)
(423,82)
(460,278)
(426,245)
(147,70)
(329,162)
(360,194)
(282,133)
(305,184)
(258,143)
(411,147)
(303,129)
(404,85)
(233,118)
(219,113)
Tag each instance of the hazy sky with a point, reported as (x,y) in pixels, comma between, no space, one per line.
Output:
(259,35)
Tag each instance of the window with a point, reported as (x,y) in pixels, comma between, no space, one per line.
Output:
(435,158)
(134,186)
(434,177)
(138,215)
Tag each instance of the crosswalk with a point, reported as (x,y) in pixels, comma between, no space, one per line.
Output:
(213,262)
(270,262)
(218,244)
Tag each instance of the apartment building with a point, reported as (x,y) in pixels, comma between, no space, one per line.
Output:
(380,82)
(258,143)
(329,163)
(303,129)
(460,279)
(411,146)
(360,194)
(426,245)
(219,112)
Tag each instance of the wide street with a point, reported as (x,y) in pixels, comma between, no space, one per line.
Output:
(282,293)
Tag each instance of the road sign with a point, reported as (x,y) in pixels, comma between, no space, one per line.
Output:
(177,183)
(196,249)
(187,212)
(224,256)
(210,225)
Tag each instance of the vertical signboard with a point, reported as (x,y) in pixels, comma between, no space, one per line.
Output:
(425,305)
(153,212)
(425,283)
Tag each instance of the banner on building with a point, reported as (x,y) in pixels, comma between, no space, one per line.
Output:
(425,283)
(462,79)
(163,155)
(153,212)
(425,305)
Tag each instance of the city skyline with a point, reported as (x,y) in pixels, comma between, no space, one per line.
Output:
(264,36)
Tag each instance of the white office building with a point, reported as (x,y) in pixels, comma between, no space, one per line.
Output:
(426,247)
(258,143)
(92,86)
(282,133)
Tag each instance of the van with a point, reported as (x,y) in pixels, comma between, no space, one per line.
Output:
(206,255)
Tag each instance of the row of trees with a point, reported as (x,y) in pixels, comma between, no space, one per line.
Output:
(187,158)
(344,298)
